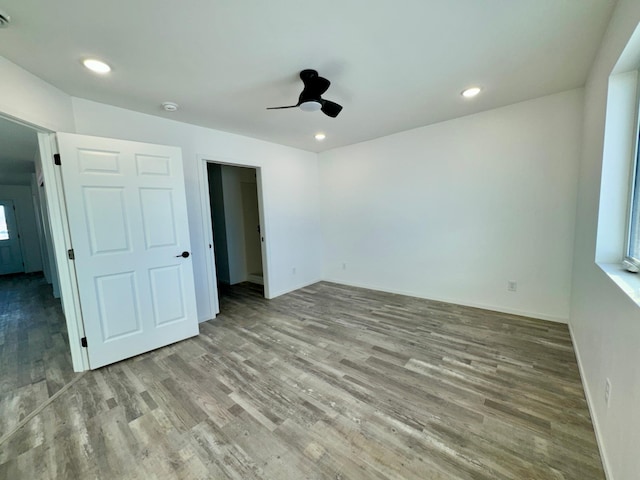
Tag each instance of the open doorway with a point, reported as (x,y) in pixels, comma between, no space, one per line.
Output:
(236,227)
(35,357)
(10,249)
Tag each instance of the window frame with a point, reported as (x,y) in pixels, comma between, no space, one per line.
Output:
(634,187)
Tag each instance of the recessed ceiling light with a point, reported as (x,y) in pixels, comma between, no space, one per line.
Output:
(96,66)
(170,106)
(471,92)
(320,136)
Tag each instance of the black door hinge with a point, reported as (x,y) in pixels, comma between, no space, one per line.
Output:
(56,159)
(83,342)
(70,254)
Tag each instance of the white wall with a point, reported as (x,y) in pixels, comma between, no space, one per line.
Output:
(27,98)
(290,189)
(453,211)
(232,178)
(251,221)
(26,219)
(605,322)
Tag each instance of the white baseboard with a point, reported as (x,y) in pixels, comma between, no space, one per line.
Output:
(592,412)
(493,308)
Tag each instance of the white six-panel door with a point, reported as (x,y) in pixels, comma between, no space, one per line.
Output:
(128,222)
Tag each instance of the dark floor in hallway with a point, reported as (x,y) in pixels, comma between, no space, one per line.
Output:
(34,352)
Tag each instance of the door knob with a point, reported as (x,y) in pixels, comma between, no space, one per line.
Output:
(183,255)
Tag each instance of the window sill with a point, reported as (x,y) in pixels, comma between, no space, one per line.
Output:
(628,282)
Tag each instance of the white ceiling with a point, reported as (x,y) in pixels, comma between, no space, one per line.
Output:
(18,146)
(394,65)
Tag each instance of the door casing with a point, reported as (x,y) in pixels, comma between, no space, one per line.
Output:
(207,227)
(61,243)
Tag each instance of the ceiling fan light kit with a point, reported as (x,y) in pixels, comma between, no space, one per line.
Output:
(310,100)
(310,106)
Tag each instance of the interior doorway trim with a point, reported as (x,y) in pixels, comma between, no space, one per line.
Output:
(207,226)
(61,243)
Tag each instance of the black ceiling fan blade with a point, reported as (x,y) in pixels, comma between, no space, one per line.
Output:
(319,85)
(279,108)
(314,85)
(330,108)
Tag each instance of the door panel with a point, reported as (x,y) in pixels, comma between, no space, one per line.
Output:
(10,251)
(167,295)
(158,219)
(106,220)
(128,221)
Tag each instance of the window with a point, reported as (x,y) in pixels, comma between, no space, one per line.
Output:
(633,240)
(4,229)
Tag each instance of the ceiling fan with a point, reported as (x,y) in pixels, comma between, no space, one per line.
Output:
(310,99)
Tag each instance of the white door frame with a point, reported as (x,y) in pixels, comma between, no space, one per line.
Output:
(61,237)
(207,226)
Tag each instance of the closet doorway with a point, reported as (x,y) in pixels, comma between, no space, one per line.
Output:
(237,230)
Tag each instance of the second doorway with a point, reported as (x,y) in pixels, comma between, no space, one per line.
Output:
(235,218)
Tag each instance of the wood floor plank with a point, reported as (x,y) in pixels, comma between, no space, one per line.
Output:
(327,382)
(35,361)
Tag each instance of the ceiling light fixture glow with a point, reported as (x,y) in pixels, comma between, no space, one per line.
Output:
(320,136)
(96,66)
(310,106)
(471,92)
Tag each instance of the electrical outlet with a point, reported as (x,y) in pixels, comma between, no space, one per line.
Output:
(293,270)
(512,286)
(344,266)
(607,391)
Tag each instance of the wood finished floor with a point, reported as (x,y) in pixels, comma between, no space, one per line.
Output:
(34,349)
(328,382)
